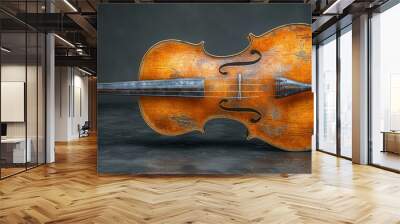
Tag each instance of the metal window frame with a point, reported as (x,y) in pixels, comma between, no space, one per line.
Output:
(339,32)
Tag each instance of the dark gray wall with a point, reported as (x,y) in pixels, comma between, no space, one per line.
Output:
(127,31)
(126,144)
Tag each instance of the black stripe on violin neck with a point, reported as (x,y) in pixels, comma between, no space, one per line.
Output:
(170,87)
(188,87)
(285,87)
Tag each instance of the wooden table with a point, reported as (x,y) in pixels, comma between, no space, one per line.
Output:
(14,150)
(391,141)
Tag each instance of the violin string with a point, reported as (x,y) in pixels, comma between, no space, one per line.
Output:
(244,79)
(223,78)
(193,96)
(184,91)
(244,84)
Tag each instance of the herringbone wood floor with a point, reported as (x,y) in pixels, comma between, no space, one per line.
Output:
(70,191)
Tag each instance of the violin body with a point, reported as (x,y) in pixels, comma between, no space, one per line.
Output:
(240,87)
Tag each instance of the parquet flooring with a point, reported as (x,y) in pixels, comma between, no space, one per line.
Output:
(10,171)
(70,191)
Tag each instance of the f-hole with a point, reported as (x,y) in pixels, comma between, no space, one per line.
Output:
(240,63)
(254,119)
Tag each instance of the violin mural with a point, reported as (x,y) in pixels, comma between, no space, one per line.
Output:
(266,87)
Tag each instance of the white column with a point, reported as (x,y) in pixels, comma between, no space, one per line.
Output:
(50,99)
(50,92)
(360,90)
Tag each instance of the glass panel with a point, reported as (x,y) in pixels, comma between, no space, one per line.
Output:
(31,99)
(32,89)
(385,84)
(13,89)
(41,98)
(327,95)
(346,93)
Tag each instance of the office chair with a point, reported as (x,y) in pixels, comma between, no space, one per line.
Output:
(84,130)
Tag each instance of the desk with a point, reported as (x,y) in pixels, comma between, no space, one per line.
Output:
(391,141)
(16,147)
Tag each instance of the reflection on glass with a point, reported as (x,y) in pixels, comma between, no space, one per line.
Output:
(327,95)
(346,93)
(385,84)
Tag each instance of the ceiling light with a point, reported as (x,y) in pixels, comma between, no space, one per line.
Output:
(5,50)
(79,51)
(70,5)
(84,71)
(338,6)
(65,41)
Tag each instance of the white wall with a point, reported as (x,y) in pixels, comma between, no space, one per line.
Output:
(71,102)
(62,82)
(80,110)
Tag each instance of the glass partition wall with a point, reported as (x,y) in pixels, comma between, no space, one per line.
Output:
(334,83)
(327,95)
(22,106)
(385,89)
(345,93)
(13,90)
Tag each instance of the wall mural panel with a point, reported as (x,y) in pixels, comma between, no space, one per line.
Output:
(194,102)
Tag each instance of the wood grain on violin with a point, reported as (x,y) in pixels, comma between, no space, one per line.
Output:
(266,87)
